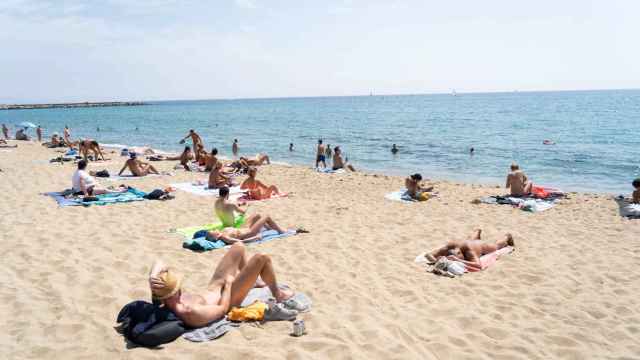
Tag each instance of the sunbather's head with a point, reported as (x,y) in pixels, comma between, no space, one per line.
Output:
(170,291)
(416,177)
(223,192)
(133,155)
(336,149)
(252,172)
(319,141)
(514,166)
(636,184)
(82,164)
(213,235)
(187,148)
(507,241)
(214,151)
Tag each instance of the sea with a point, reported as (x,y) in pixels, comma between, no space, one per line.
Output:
(595,135)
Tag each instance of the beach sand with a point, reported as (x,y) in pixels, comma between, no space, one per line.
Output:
(570,290)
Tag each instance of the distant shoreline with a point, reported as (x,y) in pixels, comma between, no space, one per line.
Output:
(70,105)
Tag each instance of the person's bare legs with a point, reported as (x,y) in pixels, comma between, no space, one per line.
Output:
(152,170)
(232,262)
(477,233)
(258,266)
(528,188)
(273,190)
(252,219)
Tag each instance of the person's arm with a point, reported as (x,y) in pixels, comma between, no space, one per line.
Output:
(244,184)
(83,186)
(636,197)
(126,164)
(237,208)
(508,185)
(156,269)
(473,259)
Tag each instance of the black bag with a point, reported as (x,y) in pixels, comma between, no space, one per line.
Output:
(149,325)
(156,194)
(103,173)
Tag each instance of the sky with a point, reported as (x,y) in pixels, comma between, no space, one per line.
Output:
(56,51)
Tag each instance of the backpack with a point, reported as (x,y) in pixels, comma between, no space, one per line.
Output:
(149,325)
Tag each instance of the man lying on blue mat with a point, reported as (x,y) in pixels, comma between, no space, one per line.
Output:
(236,274)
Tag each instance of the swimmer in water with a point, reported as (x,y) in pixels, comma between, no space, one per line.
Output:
(548,142)
(290,146)
(394,149)
(471,151)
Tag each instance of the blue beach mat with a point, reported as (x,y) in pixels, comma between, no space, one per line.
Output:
(199,241)
(105,199)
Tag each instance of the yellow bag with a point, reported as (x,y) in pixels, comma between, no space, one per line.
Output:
(253,312)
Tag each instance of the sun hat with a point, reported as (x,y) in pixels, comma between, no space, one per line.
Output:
(172,283)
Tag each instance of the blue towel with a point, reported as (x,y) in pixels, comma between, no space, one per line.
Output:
(200,242)
(104,199)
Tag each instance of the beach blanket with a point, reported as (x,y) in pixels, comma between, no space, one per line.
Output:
(200,243)
(627,209)
(221,327)
(525,203)
(330,171)
(203,190)
(245,197)
(132,177)
(402,196)
(486,261)
(64,199)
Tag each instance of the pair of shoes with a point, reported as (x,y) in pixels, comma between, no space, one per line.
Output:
(278,312)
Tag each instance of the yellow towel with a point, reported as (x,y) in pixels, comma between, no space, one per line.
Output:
(253,312)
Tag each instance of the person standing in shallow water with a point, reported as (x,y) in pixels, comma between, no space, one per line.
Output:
(394,149)
(39,133)
(320,157)
(471,151)
(234,147)
(290,146)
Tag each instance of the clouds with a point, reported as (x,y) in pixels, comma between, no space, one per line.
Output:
(246,4)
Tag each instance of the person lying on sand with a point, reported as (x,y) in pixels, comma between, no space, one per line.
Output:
(236,274)
(82,183)
(87,145)
(256,189)
(217,179)
(4,144)
(260,159)
(338,163)
(137,167)
(184,158)
(415,189)
(517,181)
(469,251)
(635,197)
(250,230)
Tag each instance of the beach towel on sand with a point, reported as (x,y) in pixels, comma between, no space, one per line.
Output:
(542,198)
(200,242)
(202,190)
(627,209)
(64,199)
(330,171)
(221,327)
(402,196)
(485,260)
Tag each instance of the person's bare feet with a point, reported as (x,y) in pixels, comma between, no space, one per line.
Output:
(284,294)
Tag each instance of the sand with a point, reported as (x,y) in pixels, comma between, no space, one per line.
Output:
(570,290)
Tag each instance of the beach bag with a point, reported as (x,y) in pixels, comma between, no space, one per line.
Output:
(155,195)
(103,173)
(149,325)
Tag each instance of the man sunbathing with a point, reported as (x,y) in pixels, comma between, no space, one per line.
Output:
(517,181)
(236,274)
(217,179)
(256,189)
(469,251)
(338,163)
(415,189)
(137,167)
(260,159)
(86,145)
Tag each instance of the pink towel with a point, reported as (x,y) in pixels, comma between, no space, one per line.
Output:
(489,259)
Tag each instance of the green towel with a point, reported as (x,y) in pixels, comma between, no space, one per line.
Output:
(189,231)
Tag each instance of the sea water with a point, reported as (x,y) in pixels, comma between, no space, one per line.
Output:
(596,133)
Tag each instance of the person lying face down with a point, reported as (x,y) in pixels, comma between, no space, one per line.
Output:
(469,251)
(235,275)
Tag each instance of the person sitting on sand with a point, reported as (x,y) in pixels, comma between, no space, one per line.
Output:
(217,178)
(469,251)
(212,160)
(5,131)
(82,183)
(137,167)
(86,145)
(256,189)
(635,197)
(415,189)
(236,274)
(338,163)
(20,135)
(517,181)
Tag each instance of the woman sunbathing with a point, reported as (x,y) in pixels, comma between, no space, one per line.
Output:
(260,159)
(256,189)
(469,251)
(250,231)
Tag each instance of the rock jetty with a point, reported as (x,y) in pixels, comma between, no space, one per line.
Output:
(70,105)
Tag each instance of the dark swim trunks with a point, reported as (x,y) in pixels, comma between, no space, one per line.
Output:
(320,158)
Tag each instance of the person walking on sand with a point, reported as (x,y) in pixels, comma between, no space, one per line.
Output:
(5,131)
(320,154)
(39,133)
(517,182)
(234,147)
